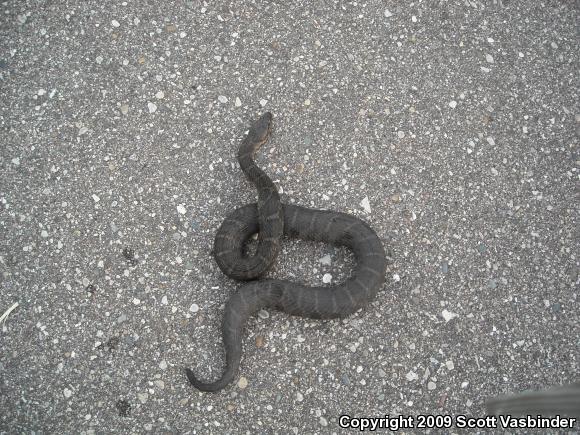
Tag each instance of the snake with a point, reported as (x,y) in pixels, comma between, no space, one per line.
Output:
(271,220)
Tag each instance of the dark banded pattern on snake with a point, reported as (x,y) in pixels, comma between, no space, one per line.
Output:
(271,219)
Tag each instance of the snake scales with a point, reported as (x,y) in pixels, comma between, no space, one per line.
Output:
(271,220)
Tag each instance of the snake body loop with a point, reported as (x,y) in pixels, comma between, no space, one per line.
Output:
(271,220)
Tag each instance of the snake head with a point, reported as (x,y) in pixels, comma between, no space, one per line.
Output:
(260,131)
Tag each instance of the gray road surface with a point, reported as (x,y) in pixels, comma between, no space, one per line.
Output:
(458,122)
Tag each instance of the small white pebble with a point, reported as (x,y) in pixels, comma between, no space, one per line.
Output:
(16,161)
(182,35)
(115,23)
(431,385)
(164,300)
(388,13)
(160,95)
(490,141)
(412,376)
(242,383)
(99,59)
(223,99)
(489,58)
(67,393)
(181,209)
(401,134)
(307,102)
(448,315)
(194,308)
(453,104)
(152,107)
(365,204)
(136,301)
(163,365)
(238,102)
(44,234)
(263,102)
(327,278)
(41,92)
(414,19)
(396,277)
(449,364)
(96,198)
(326,260)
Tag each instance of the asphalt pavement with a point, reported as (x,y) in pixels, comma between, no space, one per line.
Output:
(450,127)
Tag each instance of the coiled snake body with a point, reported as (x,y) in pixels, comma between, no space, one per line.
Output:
(271,219)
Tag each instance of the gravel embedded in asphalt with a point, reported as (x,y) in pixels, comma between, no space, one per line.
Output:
(452,129)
